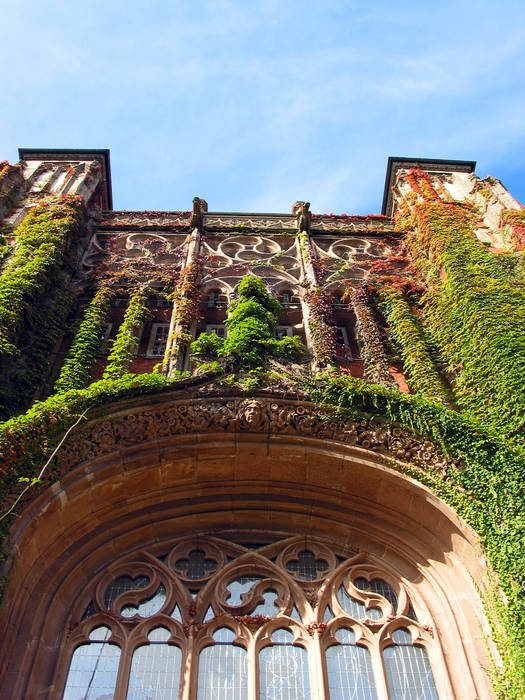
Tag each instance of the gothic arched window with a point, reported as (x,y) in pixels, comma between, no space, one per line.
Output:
(290,620)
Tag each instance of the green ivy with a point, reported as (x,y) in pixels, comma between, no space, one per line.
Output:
(251,323)
(124,346)
(407,331)
(475,312)
(375,361)
(86,346)
(43,241)
(486,490)
(26,441)
(25,376)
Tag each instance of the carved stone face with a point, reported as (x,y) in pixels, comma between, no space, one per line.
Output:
(253,414)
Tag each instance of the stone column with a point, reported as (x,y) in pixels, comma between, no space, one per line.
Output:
(320,336)
(174,358)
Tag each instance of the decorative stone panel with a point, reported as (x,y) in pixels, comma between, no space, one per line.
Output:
(268,416)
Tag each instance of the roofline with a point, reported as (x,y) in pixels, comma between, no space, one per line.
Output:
(437,164)
(100,154)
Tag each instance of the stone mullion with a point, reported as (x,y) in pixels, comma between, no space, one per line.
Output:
(252,670)
(375,360)
(173,359)
(304,249)
(317,656)
(378,669)
(124,669)
(308,275)
(189,661)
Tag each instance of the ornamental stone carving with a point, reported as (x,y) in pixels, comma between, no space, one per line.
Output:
(258,415)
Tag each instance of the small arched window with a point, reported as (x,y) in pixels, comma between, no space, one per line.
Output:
(94,667)
(222,669)
(283,669)
(155,668)
(349,669)
(407,669)
(286,298)
(216,299)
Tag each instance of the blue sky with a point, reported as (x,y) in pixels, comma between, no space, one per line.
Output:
(253,105)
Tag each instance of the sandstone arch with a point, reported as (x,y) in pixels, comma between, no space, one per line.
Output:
(147,470)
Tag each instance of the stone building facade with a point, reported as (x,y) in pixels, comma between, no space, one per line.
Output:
(302,529)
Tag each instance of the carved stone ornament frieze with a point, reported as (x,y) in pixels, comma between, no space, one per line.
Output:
(145,219)
(254,222)
(262,415)
(351,225)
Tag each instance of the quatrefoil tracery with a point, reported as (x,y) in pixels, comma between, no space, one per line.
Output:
(193,589)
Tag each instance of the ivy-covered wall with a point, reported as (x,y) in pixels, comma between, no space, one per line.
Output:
(474,310)
(35,296)
(445,305)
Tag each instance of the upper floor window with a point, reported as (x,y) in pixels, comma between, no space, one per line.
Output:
(217,329)
(283,331)
(107,331)
(288,298)
(158,339)
(197,618)
(217,300)
(342,335)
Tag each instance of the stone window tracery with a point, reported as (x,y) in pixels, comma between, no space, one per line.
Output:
(208,618)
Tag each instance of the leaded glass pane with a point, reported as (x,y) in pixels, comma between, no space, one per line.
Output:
(154,604)
(176,614)
(222,670)
(377,585)
(121,585)
(209,614)
(374,613)
(349,670)
(283,670)
(350,605)
(148,607)
(282,636)
(196,566)
(306,566)
(269,606)
(408,671)
(155,670)
(93,669)
(328,614)
(89,611)
(294,614)
(159,634)
(224,635)
(411,613)
(239,586)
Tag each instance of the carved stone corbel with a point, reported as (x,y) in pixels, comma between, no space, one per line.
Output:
(200,207)
(304,216)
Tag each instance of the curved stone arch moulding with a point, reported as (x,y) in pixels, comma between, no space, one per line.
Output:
(173,466)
